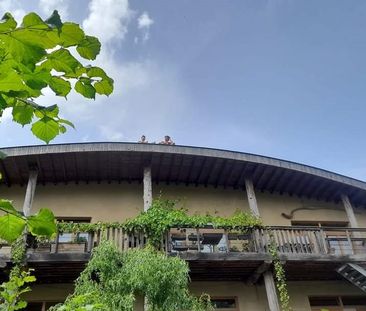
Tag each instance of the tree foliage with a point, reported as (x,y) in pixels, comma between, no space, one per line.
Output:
(113,280)
(11,291)
(38,54)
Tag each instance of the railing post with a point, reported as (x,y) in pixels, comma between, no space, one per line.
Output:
(323,241)
(227,242)
(198,240)
(90,241)
(57,242)
(350,242)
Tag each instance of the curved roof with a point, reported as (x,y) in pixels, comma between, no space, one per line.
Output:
(87,162)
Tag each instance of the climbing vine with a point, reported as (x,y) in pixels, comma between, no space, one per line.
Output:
(280,276)
(19,278)
(162,216)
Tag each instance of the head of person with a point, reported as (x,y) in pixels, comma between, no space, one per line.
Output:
(143,138)
(166,138)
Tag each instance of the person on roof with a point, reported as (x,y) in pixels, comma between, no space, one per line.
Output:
(143,140)
(167,141)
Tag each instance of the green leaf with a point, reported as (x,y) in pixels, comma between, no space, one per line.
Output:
(71,34)
(22,51)
(60,86)
(7,23)
(67,122)
(50,111)
(43,223)
(3,103)
(54,20)
(34,21)
(38,79)
(23,113)
(45,129)
(104,87)
(11,227)
(89,47)
(85,88)
(12,82)
(63,61)
(96,72)
(7,205)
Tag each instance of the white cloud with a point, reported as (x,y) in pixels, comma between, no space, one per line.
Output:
(144,22)
(148,97)
(14,7)
(108,19)
(62,6)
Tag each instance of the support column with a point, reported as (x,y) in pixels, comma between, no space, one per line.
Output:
(29,194)
(267,275)
(147,188)
(251,197)
(349,211)
(271,291)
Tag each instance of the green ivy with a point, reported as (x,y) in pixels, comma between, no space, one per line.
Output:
(162,216)
(280,276)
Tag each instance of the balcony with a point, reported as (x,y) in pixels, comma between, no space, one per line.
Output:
(217,254)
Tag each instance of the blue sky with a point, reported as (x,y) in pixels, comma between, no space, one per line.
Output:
(275,77)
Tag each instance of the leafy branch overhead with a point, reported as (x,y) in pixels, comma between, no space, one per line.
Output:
(38,54)
(13,223)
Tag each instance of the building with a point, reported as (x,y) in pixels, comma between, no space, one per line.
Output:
(317,217)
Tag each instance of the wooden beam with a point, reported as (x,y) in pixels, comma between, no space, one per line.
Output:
(147,188)
(29,194)
(253,278)
(251,197)
(349,211)
(271,291)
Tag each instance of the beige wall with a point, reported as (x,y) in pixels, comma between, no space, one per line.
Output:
(204,200)
(250,298)
(253,298)
(113,202)
(102,202)
(14,193)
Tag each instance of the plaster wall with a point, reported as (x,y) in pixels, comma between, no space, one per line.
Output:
(117,202)
(249,298)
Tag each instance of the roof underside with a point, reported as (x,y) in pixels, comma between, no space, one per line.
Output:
(117,162)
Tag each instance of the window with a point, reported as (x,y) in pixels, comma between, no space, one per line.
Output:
(225,303)
(343,303)
(67,237)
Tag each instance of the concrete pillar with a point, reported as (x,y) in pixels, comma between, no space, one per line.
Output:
(251,197)
(147,188)
(29,194)
(349,211)
(271,291)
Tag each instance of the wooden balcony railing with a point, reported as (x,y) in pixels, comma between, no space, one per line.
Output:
(287,240)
